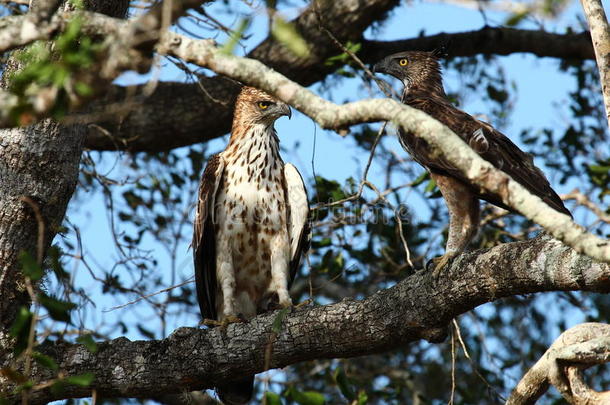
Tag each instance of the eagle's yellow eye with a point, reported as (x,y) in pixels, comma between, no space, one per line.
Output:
(403,62)
(264,104)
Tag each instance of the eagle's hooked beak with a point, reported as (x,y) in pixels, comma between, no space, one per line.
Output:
(284,109)
(382,66)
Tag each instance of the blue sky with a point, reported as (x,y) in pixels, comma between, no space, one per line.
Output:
(334,156)
(540,89)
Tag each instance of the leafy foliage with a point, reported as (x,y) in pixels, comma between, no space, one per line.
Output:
(53,70)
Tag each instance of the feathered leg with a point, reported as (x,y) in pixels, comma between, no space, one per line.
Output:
(280,256)
(225,274)
(463,208)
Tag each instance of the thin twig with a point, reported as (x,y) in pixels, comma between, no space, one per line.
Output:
(190,280)
(451,398)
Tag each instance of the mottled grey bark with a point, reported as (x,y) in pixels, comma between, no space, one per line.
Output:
(38,163)
(41,163)
(416,308)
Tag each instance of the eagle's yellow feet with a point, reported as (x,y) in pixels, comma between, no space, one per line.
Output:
(303,304)
(438,263)
(225,322)
(275,306)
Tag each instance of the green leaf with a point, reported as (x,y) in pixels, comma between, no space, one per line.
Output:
(77,4)
(344,57)
(320,243)
(83,89)
(83,380)
(286,33)
(271,398)
(21,329)
(496,94)
(45,361)
(599,169)
(58,387)
(516,18)
(57,309)
(343,383)
(279,318)
(422,177)
(272,4)
(29,266)
(88,342)
(26,386)
(306,397)
(54,256)
(235,36)
(362,398)
(430,186)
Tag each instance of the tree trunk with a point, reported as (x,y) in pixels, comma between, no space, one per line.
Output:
(38,174)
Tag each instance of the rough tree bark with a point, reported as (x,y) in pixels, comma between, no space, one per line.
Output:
(416,308)
(38,171)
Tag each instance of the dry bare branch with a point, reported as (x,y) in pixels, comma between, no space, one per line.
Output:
(600,33)
(575,350)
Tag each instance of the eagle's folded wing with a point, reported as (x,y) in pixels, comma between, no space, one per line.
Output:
(491,145)
(204,243)
(298,217)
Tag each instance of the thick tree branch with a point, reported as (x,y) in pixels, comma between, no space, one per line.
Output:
(140,129)
(600,32)
(439,137)
(416,308)
(144,123)
(489,41)
(38,23)
(576,349)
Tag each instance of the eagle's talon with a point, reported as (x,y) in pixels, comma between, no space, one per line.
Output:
(210,322)
(225,322)
(303,304)
(437,264)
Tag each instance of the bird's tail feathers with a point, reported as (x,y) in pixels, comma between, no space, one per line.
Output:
(236,392)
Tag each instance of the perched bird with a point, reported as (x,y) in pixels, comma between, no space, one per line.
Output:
(420,73)
(251,224)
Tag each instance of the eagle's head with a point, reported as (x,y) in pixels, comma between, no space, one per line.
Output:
(416,69)
(254,106)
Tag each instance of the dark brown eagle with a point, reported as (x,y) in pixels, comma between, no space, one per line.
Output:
(420,73)
(251,225)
